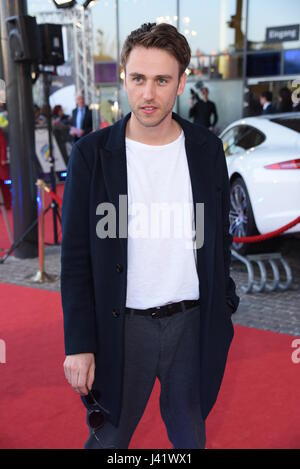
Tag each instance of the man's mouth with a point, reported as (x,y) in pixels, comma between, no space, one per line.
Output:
(148,109)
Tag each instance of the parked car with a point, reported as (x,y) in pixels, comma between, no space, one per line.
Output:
(263,161)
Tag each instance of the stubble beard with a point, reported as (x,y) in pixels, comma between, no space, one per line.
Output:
(148,122)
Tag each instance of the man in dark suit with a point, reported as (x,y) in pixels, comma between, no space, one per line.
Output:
(141,301)
(81,122)
(266,102)
(204,111)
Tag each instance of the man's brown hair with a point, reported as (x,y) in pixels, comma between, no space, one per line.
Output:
(161,36)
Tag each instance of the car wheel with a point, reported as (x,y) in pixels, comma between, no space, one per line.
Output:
(242,221)
(241,216)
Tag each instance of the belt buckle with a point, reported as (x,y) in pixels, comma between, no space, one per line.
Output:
(155,314)
(166,310)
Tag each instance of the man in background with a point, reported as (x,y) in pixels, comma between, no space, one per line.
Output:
(285,103)
(266,102)
(203,111)
(81,122)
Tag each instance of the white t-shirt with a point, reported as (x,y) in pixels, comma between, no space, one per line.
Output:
(161,258)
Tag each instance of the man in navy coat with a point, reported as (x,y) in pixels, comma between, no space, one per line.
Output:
(145,297)
(82,120)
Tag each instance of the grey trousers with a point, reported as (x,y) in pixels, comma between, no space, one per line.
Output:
(167,348)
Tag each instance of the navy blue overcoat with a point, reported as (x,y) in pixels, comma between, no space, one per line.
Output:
(94,270)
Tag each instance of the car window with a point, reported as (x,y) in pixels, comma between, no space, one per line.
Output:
(249,137)
(241,138)
(293,124)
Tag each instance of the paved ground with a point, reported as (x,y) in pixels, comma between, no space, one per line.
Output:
(276,311)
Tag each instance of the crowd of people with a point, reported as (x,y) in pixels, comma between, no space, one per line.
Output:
(284,104)
(65,129)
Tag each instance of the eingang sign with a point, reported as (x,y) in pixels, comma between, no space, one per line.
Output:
(282,33)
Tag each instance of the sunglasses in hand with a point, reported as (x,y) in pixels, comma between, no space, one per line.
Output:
(96,418)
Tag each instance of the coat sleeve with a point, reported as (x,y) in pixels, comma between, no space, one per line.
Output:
(232,299)
(76,273)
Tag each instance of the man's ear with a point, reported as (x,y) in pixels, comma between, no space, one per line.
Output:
(181,84)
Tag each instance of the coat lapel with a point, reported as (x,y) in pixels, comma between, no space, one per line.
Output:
(115,173)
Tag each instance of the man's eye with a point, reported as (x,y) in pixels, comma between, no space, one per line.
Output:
(162,81)
(137,79)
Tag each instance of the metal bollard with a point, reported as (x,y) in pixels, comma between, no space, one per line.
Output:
(41,276)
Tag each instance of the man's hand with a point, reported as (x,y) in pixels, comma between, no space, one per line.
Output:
(80,371)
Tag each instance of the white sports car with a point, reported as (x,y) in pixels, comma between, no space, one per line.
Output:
(263,161)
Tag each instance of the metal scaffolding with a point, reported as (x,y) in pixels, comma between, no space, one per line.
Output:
(80,20)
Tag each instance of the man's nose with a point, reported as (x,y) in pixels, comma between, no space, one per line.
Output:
(149,91)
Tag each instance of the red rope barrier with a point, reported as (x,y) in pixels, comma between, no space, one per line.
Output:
(271,234)
(54,196)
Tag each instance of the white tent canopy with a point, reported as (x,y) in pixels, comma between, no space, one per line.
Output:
(66,97)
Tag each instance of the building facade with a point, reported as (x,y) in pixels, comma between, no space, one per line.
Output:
(239,49)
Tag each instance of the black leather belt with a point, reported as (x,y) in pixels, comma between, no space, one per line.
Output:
(165,310)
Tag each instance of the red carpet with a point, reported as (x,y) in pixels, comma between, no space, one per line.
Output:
(258,406)
(4,239)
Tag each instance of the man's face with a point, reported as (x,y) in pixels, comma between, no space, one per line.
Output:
(262,100)
(204,93)
(80,101)
(151,83)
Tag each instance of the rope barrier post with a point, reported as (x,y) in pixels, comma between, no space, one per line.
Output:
(41,276)
(41,223)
